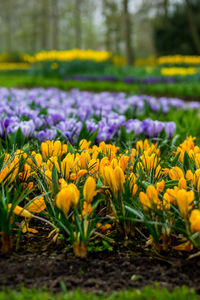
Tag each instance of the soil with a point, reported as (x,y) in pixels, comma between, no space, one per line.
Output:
(37,264)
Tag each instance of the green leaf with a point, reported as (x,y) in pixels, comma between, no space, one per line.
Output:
(186,161)
(70,148)
(135,212)
(83,133)
(175,159)
(55,180)
(19,138)
(123,135)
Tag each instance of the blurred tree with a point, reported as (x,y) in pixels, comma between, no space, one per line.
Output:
(112,18)
(193,25)
(55,23)
(44,21)
(166,5)
(127,33)
(77,22)
(179,30)
(6,15)
(34,26)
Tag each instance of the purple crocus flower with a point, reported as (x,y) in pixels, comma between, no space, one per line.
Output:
(170,128)
(152,128)
(48,134)
(27,128)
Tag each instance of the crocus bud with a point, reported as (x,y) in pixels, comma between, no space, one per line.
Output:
(109,178)
(184,201)
(160,186)
(89,189)
(176,173)
(144,199)
(119,178)
(182,184)
(195,220)
(20,211)
(66,197)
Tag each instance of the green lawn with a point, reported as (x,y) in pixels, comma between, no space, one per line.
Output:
(148,293)
(184,90)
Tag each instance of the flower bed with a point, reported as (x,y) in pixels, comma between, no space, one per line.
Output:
(97,190)
(82,173)
(44,114)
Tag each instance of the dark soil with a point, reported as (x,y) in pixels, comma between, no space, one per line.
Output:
(35,265)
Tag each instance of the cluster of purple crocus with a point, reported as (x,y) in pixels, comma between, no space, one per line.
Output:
(42,113)
(126,79)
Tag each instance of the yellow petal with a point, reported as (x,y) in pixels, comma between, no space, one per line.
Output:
(37,205)
(89,189)
(18,210)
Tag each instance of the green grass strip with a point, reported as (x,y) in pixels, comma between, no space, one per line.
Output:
(184,90)
(148,293)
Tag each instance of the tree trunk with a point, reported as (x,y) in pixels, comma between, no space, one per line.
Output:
(55,23)
(77,21)
(7,13)
(165,5)
(44,26)
(127,33)
(107,23)
(192,26)
(34,25)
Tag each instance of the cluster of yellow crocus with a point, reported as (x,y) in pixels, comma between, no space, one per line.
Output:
(68,55)
(193,152)
(149,61)
(118,60)
(6,66)
(173,71)
(105,170)
(178,59)
(10,168)
(69,195)
(168,60)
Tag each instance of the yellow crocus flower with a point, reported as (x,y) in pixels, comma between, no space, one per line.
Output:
(145,201)
(109,178)
(48,176)
(195,220)
(119,178)
(51,148)
(160,186)
(36,205)
(176,173)
(89,189)
(84,144)
(66,197)
(182,184)
(20,211)
(184,201)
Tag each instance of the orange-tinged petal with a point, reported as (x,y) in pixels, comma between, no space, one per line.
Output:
(160,186)
(146,203)
(187,246)
(176,173)
(37,205)
(62,183)
(135,189)
(184,200)
(195,220)
(109,178)
(63,200)
(119,178)
(182,184)
(81,173)
(20,211)
(87,209)
(89,189)
(152,194)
